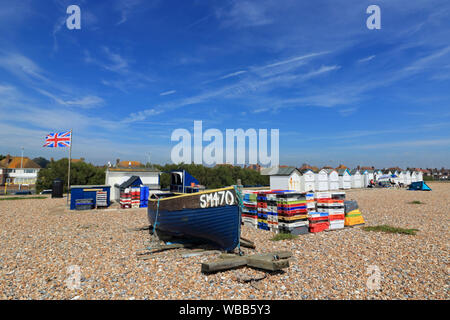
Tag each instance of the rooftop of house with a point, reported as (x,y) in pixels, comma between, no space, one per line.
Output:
(133,169)
(18,162)
(278,171)
(129,164)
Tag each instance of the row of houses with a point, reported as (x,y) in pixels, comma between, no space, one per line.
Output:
(291,178)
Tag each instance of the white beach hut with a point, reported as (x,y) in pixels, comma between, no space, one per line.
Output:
(333,179)
(321,180)
(367,176)
(356,179)
(419,176)
(284,178)
(407,177)
(414,176)
(345,179)
(402,177)
(308,180)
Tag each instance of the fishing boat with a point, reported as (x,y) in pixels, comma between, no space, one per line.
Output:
(211,217)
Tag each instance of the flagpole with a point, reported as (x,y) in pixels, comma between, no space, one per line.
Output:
(68,173)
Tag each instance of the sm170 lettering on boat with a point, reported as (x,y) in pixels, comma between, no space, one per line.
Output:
(213,153)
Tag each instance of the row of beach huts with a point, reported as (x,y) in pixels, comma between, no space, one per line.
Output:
(291,178)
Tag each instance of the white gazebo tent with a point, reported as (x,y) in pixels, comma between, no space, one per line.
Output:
(308,181)
(321,180)
(333,179)
(356,179)
(284,178)
(366,177)
(345,179)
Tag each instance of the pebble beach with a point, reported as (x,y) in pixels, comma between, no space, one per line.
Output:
(42,243)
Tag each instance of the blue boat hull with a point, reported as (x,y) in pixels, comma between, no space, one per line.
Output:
(219,226)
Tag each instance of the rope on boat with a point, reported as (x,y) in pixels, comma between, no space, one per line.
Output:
(241,205)
(154,237)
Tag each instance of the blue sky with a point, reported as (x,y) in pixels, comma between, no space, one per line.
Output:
(337,91)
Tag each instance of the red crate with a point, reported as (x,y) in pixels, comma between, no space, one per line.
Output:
(330,201)
(333,217)
(318,227)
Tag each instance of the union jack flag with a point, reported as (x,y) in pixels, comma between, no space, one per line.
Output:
(61,139)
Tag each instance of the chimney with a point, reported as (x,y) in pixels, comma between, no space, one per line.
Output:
(117,162)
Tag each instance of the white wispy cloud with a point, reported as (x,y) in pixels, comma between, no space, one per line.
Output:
(22,67)
(294,59)
(233,74)
(125,8)
(407,143)
(166,93)
(430,60)
(84,102)
(366,59)
(142,115)
(245,14)
(112,61)
(260,78)
(121,66)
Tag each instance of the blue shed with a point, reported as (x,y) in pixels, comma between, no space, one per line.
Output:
(87,192)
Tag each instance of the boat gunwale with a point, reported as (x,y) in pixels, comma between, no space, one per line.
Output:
(191,194)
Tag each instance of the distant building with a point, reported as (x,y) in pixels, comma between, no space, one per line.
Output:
(283,178)
(76,160)
(117,176)
(255,167)
(18,171)
(129,164)
(341,167)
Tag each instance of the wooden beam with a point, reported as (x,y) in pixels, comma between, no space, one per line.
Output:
(273,261)
(224,264)
(247,243)
(267,264)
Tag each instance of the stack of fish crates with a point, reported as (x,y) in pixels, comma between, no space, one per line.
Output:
(84,204)
(249,209)
(101,199)
(263,223)
(125,199)
(318,221)
(144,197)
(292,213)
(353,216)
(272,212)
(135,197)
(310,201)
(337,212)
(332,203)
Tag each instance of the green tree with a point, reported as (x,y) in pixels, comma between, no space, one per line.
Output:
(2,157)
(41,161)
(81,173)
